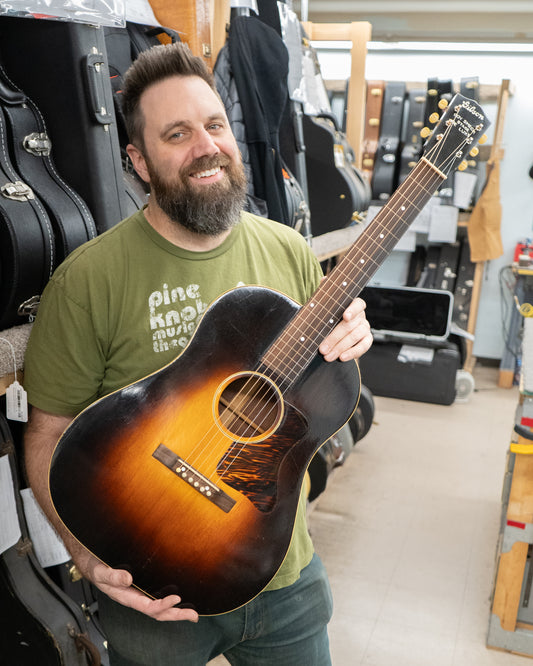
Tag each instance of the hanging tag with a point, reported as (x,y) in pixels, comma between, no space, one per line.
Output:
(16,402)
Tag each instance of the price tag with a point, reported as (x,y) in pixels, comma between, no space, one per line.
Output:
(16,402)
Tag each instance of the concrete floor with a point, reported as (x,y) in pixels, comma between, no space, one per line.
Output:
(408,528)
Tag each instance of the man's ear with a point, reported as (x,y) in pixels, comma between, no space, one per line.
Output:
(138,161)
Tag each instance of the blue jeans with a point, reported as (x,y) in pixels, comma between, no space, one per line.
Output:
(286,627)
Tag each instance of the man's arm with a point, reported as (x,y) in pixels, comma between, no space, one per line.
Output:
(42,434)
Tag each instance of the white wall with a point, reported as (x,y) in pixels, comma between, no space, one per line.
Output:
(516,187)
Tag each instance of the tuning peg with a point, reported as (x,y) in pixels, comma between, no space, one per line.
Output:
(443,103)
(482,139)
(434,117)
(462,166)
(472,163)
(425,132)
(368,163)
(474,152)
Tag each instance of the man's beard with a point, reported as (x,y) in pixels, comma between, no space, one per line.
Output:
(206,210)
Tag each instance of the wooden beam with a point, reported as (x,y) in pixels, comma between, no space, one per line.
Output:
(359,34)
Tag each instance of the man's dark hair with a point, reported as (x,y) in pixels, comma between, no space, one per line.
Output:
(151,66)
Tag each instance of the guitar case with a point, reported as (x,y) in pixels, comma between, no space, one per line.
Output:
(30,149)
(63,69)
(40,623)
(428,277)
(385,178)
(123,45)
(412,141)
(298,209)
(387,372)
(374,104)
(337,190)
(462,295)
(27,245)
(446,273)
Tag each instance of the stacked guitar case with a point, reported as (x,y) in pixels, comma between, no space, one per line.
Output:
(41,624)
(60,161)
(62,182)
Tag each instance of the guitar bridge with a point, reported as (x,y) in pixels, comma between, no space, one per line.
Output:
(194,478)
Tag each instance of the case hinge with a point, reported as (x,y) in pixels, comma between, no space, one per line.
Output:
(18,191)
(37,143)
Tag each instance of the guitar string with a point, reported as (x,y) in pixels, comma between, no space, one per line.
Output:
(438,148)
(316,328)
(254,380)
(251,387)
(320,329)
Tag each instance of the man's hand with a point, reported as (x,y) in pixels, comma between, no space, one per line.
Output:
(118,585)
(351,338)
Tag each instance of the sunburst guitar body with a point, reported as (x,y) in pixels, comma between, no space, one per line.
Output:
(190,488)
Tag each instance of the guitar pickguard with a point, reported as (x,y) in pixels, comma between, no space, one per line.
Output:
(252,467)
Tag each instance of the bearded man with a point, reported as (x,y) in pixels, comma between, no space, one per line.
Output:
(126,304)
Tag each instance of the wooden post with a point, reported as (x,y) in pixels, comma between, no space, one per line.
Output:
(359,34)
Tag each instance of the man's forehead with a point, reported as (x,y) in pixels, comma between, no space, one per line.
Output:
(188,94)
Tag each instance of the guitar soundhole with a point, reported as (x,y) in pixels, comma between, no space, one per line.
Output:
(248,407)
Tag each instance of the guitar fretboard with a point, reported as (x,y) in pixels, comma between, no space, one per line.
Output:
(294,349)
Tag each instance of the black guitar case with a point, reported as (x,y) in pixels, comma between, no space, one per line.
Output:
(27,245)
(123,45)
(447,267)
(385,176)
(30,148)
(40,623)
(337,190)
(462,295)
(412,141)
(63,69)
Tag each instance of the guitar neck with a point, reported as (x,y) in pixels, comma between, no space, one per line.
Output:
(294,349)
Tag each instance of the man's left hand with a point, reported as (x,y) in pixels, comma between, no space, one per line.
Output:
(351,338)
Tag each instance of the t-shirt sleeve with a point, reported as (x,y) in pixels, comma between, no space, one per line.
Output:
(64,362)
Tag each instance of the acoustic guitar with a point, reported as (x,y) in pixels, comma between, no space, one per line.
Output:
(190,477)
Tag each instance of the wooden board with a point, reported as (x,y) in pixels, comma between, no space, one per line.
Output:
(191,18)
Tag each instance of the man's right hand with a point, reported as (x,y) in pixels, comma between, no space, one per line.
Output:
(118,585)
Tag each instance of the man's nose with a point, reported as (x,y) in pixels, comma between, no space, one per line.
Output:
(205,144)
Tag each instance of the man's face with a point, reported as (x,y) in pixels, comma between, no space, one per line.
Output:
(192,160)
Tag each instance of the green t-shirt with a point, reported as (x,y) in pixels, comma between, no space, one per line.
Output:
(126,303)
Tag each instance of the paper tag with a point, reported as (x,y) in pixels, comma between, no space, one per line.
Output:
(16,402)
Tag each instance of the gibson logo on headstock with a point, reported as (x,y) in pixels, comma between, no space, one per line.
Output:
(470,107)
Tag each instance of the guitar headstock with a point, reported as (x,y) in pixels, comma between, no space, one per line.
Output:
(460,128)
